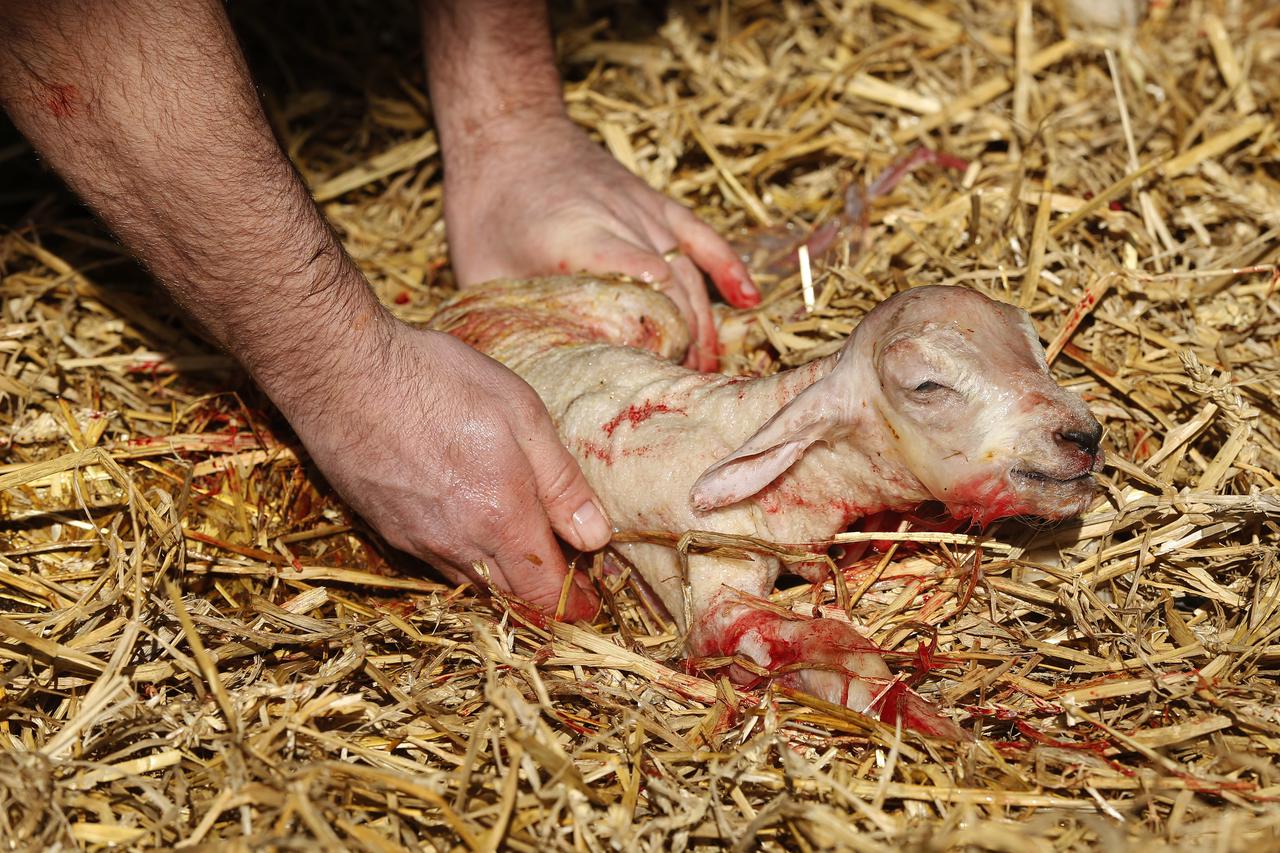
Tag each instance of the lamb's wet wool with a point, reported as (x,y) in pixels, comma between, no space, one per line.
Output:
(940,394)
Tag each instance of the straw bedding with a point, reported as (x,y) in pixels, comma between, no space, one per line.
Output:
(200,645)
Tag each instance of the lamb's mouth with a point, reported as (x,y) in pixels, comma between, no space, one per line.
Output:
(1049,480)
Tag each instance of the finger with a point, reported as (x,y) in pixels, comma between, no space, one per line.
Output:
(615,255)
(611,254)
(519,554)
(704,346)
(712,253)
(677,293)
(523,554)
(533,485)
(450,569)
(527,561)
(566,498)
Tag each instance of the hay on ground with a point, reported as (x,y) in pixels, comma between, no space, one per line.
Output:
(200,644)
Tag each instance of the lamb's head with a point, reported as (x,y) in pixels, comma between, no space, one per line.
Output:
(950,392)
(967,395)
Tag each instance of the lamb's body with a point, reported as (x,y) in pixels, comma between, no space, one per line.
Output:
(643,428)
(669,449)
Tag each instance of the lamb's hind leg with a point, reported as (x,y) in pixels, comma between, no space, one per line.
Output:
(826,658)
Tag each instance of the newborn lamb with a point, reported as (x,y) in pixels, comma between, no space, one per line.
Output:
(939,394)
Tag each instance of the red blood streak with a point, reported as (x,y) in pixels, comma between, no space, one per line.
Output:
(776,500)
(570,722)
(826,635)
(950,161)
(487,328)
(483,329)
(733,287)
(152,367)
(62,100)
(925,658)
(637,415)
(782,496)
(983,500)
(903,166)
(592,450)
(650,334)
(534,617)
(1145,447)
(825,642)
(917,714)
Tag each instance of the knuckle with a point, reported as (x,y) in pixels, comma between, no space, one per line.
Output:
(515,421)
(689,274)
(525,406)
(561,480)
(680,217)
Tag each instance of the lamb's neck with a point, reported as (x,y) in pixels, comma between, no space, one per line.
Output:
(760,399)
(855,474)
(836,483)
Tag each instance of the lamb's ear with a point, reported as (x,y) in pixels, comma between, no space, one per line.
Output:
(775,447)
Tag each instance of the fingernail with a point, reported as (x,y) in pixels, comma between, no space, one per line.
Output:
(589,522)
(750,295)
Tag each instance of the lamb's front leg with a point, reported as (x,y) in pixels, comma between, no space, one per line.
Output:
(826,658)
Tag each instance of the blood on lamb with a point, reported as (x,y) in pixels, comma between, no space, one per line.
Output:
(940,394)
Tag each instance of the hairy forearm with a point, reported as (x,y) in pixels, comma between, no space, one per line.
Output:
(489,63)
(146,109)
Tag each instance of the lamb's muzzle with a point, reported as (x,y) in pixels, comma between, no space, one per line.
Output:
(939,394)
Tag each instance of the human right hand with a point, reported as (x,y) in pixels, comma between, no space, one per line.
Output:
(453,458)
(448,455)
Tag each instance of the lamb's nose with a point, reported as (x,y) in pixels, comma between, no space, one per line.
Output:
(1086,439)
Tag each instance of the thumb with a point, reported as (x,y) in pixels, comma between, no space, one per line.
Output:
(571,506)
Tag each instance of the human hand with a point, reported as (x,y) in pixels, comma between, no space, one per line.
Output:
(536,196)
(449,455)
(453,458)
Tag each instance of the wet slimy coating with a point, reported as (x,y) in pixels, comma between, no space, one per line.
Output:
(939,394)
